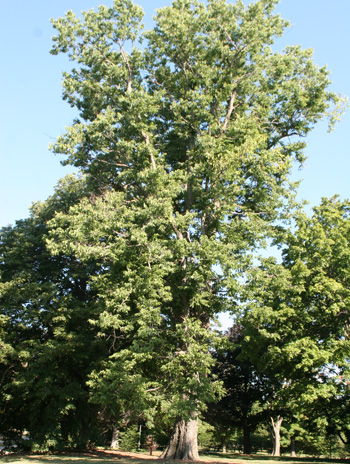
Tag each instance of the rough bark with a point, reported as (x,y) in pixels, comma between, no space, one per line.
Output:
(183,442)
(275,428)
(115,438)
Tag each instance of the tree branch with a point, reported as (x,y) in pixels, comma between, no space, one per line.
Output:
(231,107)
(126,61)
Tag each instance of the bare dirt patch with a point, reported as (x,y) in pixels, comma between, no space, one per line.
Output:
(129,455)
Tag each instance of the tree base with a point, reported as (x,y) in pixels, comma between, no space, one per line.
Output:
(115,439)
(183,442)
(275,428)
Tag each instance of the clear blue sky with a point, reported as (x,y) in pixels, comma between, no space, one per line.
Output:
(33,113)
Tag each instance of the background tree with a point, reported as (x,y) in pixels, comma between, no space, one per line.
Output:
(337,413)
(246,392)
(50,347)
(187,145)
(297,313)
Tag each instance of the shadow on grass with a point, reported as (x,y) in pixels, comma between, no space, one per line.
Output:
(64,458)
(93,457)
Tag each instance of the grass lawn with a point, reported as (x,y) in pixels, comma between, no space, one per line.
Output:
(109,457)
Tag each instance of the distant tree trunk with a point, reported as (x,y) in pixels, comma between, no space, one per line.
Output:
(183,443)
(115,438)
(224,446)
(275,428)
(292,447)
(246,439)
(139,442)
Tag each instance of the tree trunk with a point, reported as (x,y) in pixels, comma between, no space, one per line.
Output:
(246,439)
(275,429)
(115,438)
(183,442)
(224,447)
(292,447)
